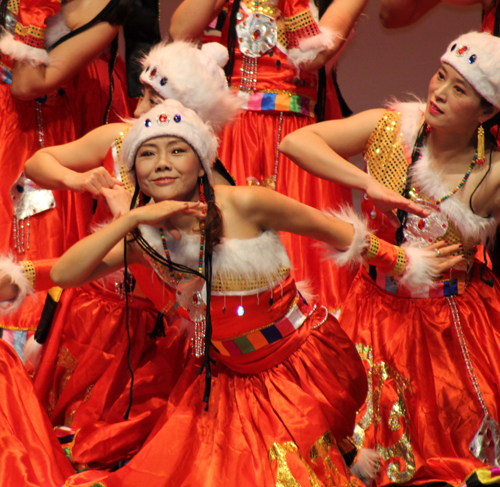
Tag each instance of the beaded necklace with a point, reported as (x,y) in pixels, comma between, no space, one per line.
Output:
(462,182)
(200,259)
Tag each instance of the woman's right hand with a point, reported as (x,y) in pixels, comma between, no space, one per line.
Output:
(386,200)
(92,181)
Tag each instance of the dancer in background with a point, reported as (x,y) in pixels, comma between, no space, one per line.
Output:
(55,87)
(432,409)
(277,54)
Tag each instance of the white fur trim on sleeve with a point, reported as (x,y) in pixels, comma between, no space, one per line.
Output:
(419,271)
(354,254)
(15,271)
(310,47)
(22,52)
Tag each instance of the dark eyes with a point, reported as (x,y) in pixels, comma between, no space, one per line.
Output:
(147,153)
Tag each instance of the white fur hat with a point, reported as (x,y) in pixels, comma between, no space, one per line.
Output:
(194,77)
(170,118)
(476,56)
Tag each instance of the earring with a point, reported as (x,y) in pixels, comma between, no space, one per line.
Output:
(480,144)
(202,191)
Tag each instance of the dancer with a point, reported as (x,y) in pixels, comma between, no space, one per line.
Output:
(276,51)
(55,87)
(83,377)
(280,398)
(431,354)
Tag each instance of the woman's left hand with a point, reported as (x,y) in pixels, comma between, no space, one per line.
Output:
(443,258)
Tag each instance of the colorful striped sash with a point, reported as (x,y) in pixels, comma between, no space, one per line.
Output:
(261,337)
(280,102)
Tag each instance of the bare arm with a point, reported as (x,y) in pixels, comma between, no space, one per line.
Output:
(192,17)
(340,17)
(76,166)
(321,150)
(102,252)
(66,60)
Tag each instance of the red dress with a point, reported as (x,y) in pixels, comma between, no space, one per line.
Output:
(30,454)
(285,387)
(280,99)
(431,356)
(84,379)
(57,219)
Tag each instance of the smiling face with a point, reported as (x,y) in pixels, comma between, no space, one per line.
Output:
(148,99)
(452,102)
(167,168)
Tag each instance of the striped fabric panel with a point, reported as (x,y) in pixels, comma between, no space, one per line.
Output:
(281,102)
(255,340)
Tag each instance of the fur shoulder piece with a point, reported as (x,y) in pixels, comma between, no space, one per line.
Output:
(472,227)
(412,117)
(262,256)
(22,52)
(56,29)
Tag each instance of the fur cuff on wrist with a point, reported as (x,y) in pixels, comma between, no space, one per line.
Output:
(419,271)
(310,47)
(353,255)
(22,52)
(17,277)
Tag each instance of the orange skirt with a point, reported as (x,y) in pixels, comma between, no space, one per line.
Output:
(278,426)
(422,410)
(30,454)
(84,379)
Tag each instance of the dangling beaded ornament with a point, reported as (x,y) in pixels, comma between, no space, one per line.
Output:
(480,145)
(189,291)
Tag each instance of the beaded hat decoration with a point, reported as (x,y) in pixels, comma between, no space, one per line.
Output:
(194,77)
(476,56)
(170,118)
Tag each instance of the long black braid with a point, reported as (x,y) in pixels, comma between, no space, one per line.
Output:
(415,155)
(174,266)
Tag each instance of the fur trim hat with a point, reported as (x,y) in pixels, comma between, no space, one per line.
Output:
(476,56)
(194,77)
(170,118)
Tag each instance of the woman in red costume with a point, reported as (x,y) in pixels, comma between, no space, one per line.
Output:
(54,88)
(431,354)
(83,377)
(286,383)
(276,50)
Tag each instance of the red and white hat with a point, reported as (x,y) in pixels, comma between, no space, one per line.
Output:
(182,72)
(170,118)
(476,56)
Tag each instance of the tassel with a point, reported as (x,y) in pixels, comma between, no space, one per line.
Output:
(480,144)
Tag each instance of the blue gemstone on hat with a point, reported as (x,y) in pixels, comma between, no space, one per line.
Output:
(163,81)
(20,188)
(472,59)
(147,122)
(451,50)
(177,118)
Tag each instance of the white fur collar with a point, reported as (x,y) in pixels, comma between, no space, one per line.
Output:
(261,256)
(473,227)
(56,29)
